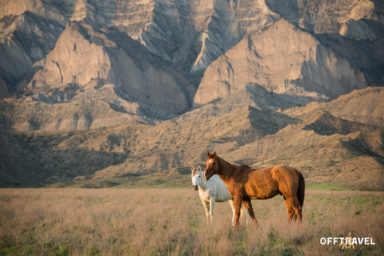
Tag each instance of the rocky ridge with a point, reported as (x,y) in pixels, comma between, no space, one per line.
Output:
(119,89)
(325,147)
(284,60)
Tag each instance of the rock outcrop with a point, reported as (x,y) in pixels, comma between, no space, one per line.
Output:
(109,68)
(325,147)
(363,106)
(283,59)
(95,90)
(189,36)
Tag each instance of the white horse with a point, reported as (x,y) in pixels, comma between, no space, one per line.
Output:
(211,191)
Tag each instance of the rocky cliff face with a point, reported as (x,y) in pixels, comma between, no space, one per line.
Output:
(190,35)
(28,32)
(149,85)
(84,58)
(283,59)
(358,19)
(193,34)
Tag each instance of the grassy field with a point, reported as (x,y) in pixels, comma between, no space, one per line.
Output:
(72,221)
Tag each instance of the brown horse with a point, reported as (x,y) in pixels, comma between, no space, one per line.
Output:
(245,184)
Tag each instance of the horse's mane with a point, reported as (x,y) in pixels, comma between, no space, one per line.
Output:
(245,167)
(242,166)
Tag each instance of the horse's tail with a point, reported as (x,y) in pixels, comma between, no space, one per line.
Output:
(301,189)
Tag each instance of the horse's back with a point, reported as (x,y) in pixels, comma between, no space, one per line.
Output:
(284,173)
(268,182)
(260,184)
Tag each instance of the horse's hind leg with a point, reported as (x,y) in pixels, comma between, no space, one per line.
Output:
(294,216)
(298,212)
(294,208)
(211,208)
(297,209)
(290,209)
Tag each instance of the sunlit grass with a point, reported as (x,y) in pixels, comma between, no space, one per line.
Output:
(326,186)
(171,222)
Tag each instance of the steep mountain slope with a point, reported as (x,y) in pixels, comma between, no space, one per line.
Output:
(84,58)
(28,31)
(205,30)
(364,106)
(32,160)
(191,34)
(348,154)
(97,90)
(283,59)
(353,29)
(326,148)
(98,80)
(350,18)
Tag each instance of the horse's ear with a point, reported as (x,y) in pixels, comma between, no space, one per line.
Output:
(199,168)
(193,170)
(208,154)
(214,154)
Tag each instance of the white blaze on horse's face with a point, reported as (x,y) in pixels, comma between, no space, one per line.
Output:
(211,166)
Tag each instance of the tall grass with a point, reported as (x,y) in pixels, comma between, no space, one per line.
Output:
(172,222)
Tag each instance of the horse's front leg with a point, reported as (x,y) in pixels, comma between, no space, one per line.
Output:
(247,203)
(231,203)
(237,199)
(206,208)
(212,207)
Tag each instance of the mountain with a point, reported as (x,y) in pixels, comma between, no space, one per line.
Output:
(109,92)
(283,59)
(324,147)
(364,106)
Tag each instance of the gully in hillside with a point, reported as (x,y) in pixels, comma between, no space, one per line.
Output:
(245,184)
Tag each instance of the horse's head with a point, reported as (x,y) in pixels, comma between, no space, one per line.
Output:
(212,165)
(196,177)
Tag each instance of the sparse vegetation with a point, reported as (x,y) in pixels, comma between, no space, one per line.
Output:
(41,158)
(172,222)
(326,186)
(154,180)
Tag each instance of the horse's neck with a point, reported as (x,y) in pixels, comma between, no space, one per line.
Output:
(226,170)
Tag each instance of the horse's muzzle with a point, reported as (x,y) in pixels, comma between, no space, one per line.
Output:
(194,187)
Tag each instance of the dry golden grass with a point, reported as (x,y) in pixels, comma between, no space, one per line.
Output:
(172,222)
